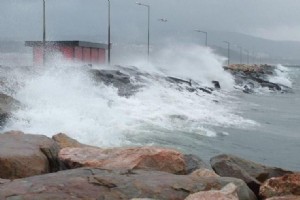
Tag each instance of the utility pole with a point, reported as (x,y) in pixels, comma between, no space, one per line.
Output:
(247,56)
(108,30)
(241,54)
(228,52)
(148,7)
(44,32)
(199,31)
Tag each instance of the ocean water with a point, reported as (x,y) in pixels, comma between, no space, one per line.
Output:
(63,97)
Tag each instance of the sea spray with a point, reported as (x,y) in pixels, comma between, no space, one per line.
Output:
(64,97)
(281,76)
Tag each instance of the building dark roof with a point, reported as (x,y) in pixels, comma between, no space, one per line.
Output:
(67,43)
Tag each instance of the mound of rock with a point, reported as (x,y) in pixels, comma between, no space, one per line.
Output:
(93,183)
(150,158)
(252,173)
(23,155)
(31,168)
(287,186)
(249,77)
(65,141)
(227,193)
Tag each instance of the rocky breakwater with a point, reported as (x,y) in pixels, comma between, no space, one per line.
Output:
(130,80)
(249,77)
(38,167)
(252,173)
(115,173)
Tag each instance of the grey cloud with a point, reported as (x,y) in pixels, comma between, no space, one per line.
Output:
(88,18)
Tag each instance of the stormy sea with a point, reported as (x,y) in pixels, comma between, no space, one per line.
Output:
(187,102)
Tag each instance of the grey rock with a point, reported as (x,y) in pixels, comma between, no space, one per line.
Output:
(91,183)
(252,173)
(193,163)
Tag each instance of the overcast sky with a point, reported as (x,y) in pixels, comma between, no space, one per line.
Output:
(271,19)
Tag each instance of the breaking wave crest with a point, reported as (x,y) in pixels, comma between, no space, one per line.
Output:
(64,97)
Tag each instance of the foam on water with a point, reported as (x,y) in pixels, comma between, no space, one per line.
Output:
(64,98)
(281,76)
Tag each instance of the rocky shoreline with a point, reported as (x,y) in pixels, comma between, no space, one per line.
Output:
(38,167)
(129,80)
(250,77)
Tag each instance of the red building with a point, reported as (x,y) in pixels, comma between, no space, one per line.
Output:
(86,52)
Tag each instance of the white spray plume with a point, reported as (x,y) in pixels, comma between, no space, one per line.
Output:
(186,61)
(62,97)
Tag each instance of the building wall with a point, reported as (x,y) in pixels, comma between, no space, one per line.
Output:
(95,55)
(38,55)
(85,54)
(78,53)
(101,56)
(67,51)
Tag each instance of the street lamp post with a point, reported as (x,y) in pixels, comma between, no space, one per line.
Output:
(241,54)
(44,32)
(148,7)
(253,57)
(199,31)
(108,39)
(228,51)
(247,56)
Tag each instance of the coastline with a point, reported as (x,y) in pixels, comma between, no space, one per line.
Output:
(41,168)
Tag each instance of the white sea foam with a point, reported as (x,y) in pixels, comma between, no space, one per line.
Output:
(281,76)
(64,98)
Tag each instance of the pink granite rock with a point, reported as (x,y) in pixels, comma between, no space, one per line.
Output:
(150,158)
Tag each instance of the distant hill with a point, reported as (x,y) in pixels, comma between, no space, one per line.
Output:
(259,49)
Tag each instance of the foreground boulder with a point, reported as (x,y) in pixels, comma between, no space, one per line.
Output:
(227,193)
(65,141)
(193,163)
(23,155)
(252,173)
(91,183)
(281,186)
(151,158)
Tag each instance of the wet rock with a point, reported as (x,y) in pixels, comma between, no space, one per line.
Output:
(281,186)
(23,155)
(92,183)
(7,104)
(178,80)
(227,193)
(252,173)
(256,74)
(150,158)
(205,90)
(193,163)
(117,79)
(216,84)
(64,141)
